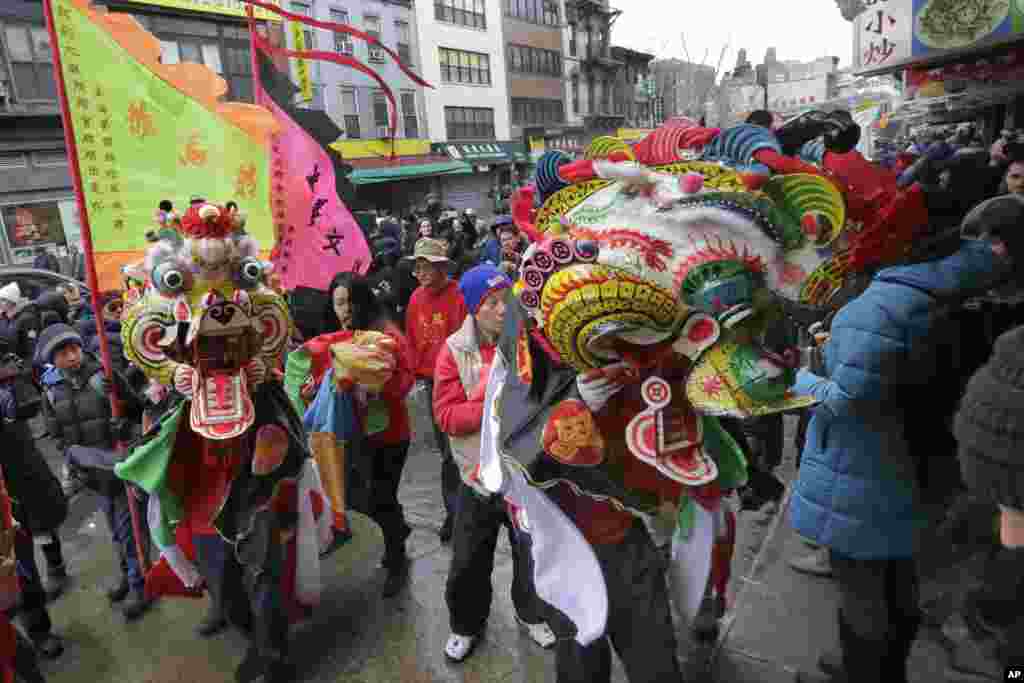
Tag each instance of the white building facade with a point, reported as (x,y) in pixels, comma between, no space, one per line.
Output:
(461,50)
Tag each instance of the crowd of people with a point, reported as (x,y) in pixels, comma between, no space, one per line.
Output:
(870,455)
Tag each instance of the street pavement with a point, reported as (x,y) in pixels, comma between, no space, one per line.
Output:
(778,620)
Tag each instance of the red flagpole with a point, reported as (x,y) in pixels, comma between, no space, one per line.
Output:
(90,260)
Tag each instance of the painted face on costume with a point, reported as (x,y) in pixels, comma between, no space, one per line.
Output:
(342,307)
(490,316)
(68,357)
(1015,178)
(426,229)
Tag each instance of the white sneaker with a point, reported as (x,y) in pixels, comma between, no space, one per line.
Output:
(540,632)
(459,647)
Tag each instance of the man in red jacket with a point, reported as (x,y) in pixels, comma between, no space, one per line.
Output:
(436,310)
(460,382)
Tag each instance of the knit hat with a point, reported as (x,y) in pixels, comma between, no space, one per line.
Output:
(52,338)
(501,221)
(1000,217)
(11,292)
(478,282)
(990,424)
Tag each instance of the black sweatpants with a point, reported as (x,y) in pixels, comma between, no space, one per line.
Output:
(478,521)
(878,615)
(388,463)
(639,619)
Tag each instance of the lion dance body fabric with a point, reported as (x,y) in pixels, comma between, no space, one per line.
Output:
(227,468)
(667,258)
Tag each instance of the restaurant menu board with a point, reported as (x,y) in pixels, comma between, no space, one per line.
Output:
(892,32)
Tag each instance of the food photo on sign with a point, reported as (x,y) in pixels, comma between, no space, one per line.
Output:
(957,24)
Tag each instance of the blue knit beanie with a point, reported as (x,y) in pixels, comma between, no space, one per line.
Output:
(478,282)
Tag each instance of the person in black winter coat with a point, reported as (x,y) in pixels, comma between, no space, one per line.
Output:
(77,409)
(19,321)
(382,274)
(38,504)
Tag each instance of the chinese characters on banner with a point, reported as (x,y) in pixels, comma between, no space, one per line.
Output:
(882,33)
(302,65)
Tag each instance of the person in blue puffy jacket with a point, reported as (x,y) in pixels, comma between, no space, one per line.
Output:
(857,492)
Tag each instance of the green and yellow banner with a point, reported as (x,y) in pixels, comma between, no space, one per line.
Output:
(302,65)
(146,131)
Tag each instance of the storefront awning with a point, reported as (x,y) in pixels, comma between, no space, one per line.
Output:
(483,153)
(387,174)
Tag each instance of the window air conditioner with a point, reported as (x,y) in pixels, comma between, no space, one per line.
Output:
(376,54)
(347,49)
(382,132)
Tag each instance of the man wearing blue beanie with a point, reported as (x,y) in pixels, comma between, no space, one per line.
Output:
(460,379)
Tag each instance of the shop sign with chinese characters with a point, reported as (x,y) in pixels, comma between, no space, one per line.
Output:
(896,32)
(882,33)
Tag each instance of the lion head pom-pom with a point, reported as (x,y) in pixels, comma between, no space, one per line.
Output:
(207,220)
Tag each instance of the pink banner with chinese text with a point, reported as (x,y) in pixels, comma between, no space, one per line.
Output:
(317,237)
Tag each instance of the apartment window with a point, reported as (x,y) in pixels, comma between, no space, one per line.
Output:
(404,41)
(536,11)
(238,71)
(572,40)
(409,118)
(606,97)
(534,60)
(381,121)
(342,41)
(575,94)
(371,24)
(459,66)
(533,112)
(350,110)
(224,49)
(307,33)
(469,123)
(28,53)
(462,12)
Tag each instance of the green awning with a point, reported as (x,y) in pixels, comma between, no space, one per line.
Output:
(483,153)
(387,174)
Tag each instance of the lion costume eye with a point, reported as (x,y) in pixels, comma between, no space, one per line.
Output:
(250,272)
(171,278)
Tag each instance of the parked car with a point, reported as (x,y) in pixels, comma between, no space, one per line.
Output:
(34,281)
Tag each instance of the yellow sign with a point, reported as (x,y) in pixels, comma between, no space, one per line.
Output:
(375,149)
(234,8)
(632,134)
(302,65)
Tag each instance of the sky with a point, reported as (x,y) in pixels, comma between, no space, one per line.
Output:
(797,29)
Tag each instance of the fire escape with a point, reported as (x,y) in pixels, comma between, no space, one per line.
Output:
(598,67)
